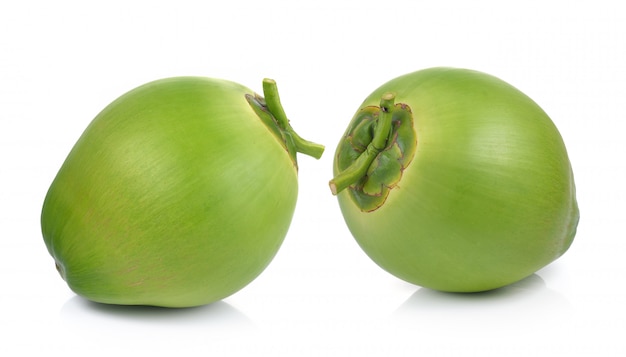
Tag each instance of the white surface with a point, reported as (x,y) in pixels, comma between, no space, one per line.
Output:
(61,62)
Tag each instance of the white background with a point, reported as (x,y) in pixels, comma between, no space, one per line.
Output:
(61,62)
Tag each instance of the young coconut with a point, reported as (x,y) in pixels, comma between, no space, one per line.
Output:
(454,180)
(179,193)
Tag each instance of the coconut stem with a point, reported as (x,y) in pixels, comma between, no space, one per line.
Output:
(272,100)
(359,167)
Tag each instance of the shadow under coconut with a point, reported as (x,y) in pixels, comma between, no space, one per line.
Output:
(526,301)
(219,313)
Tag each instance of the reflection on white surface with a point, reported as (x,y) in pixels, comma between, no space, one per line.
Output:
(218,313)
(88,329)
(512,318)
(526,297)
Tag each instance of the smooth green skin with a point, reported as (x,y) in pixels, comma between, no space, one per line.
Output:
(175,195)
(489,197)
